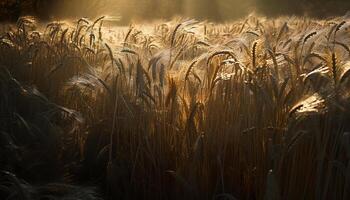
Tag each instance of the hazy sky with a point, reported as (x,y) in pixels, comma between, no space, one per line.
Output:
(200,9)
(228,9)
(213,9)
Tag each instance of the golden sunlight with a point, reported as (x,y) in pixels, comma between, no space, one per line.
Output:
(174,99)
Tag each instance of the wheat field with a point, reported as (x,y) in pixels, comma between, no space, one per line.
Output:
(256,108)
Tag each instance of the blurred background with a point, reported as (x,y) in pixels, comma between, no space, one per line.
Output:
(215,10)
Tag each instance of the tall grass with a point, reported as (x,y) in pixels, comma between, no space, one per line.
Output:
(253,109)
